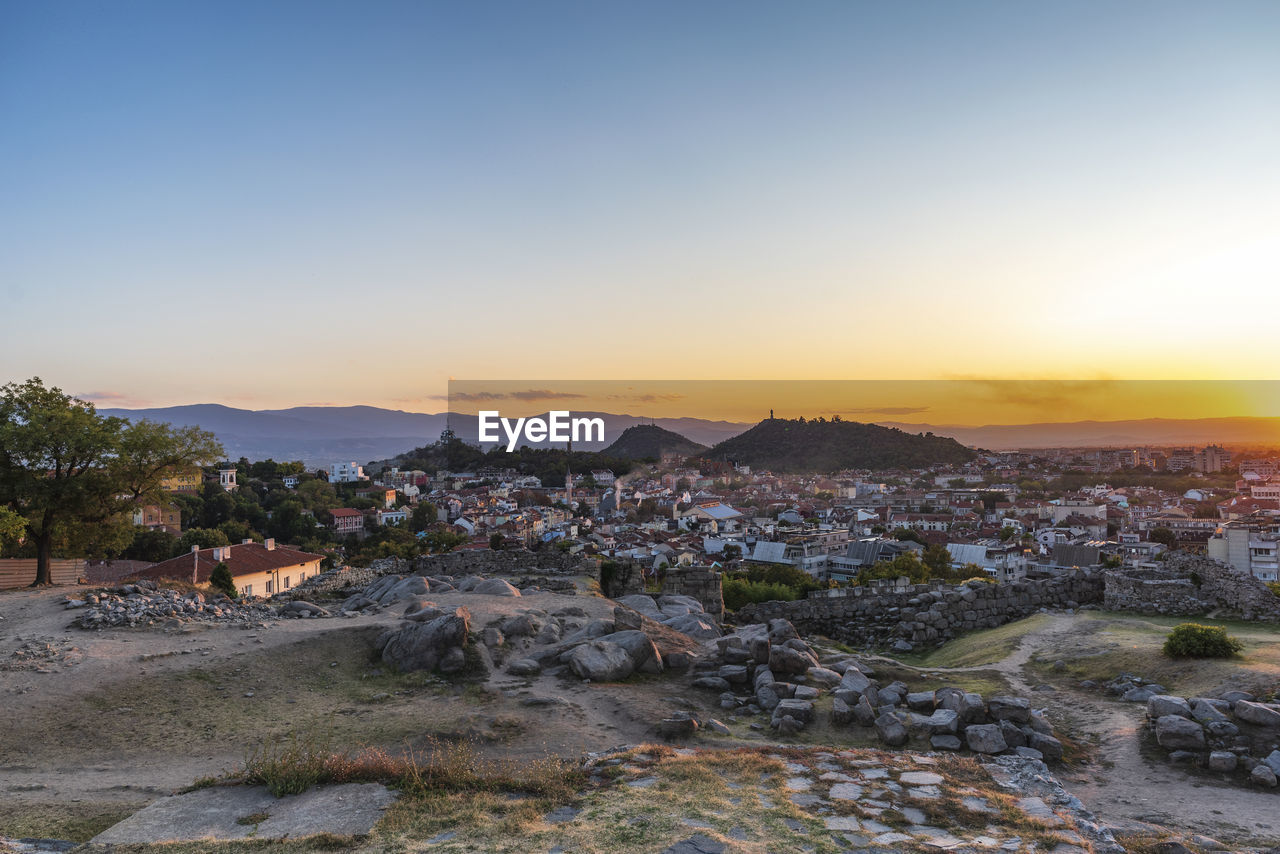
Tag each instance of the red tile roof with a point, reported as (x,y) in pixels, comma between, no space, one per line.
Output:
(244,559)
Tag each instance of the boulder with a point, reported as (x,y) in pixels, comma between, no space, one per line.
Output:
(985,738)
(841,714)
(521,626)
(1048,746)
(1222,760)
(679,725)
(1262,775)
(422,646)
(1013,734)
(674,605)
(783,659)
(823,676)
(601,661)
(1137,695)
(524,667)
(891,730)
(711,683)
(1166,704)
(1174,732)
(413,587)
(781,631)
(641,648)
(863,713)
(920,701)
(855,680)
(697,626)
(945,742)
(801,710)
(495,587)
(627,618)
(1006,708)
(1259,714)
(1272,761)
(644,604)
(299,608)
(1207,713)
(735,674)
(943,722)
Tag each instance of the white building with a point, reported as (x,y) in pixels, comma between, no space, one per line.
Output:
(346,473)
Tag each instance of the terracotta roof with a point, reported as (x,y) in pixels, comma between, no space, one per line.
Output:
(344,511)
(244,559)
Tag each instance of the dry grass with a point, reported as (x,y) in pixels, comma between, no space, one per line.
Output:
(299,763)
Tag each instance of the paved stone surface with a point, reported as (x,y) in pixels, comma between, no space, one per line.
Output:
(348,810)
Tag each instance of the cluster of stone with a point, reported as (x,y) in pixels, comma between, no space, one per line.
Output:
(904,616)
(769,669)
(603,650)
(1233,734)
(144,604)
(391,590)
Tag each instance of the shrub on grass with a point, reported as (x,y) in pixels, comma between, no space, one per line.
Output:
(1192,640)
(220,580)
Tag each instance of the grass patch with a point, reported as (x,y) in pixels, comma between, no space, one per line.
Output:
(292,767)
(980,648)
(77,822)
(1111,643)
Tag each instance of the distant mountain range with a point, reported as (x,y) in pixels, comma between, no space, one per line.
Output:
(319,435)
(1146,431)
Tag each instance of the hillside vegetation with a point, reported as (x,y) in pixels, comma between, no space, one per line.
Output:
(799,445)
(649,441)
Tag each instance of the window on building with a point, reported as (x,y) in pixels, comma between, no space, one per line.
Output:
(248,590)
(268,588)
(287,585)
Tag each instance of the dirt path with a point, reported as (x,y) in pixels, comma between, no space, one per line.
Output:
(1126,789)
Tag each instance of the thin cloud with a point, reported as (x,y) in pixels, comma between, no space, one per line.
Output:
(647,398)
(524,396)
(883,410)
(104,396)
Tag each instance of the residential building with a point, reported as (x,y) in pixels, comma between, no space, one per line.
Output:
(347,521)
(258,569)
(346,473)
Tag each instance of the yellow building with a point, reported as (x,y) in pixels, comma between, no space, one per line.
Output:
(187,482)
(258,569)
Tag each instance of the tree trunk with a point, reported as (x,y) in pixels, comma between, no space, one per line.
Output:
(44,555)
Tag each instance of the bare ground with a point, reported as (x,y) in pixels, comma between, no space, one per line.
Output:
(1124,785)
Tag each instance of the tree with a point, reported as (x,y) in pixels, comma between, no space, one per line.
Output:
(205,538)
(424,513)
(1164,536)
(220,579)
(495,541)
(938,559)
(64,468)
(11,525)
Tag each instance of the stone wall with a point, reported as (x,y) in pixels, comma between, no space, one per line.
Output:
(926,614)
(1149,591)
(701,583)
(1191,585)
(516,562)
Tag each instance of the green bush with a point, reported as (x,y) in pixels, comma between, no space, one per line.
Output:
(739,592)
(220,580)
(1191,640)
(1274,587)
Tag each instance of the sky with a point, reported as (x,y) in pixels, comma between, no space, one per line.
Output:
(267,204)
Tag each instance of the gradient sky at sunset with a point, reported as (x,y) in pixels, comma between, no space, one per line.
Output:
(275,203)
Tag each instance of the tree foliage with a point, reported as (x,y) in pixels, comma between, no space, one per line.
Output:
(220,579)
(68,470)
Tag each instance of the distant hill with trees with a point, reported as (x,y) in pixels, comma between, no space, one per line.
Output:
(819,445)
(649,441)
